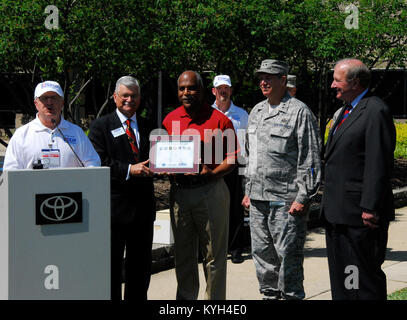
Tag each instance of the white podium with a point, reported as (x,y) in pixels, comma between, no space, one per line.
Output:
(55,234)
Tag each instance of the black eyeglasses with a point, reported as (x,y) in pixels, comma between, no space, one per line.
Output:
(127,96)
(44,99)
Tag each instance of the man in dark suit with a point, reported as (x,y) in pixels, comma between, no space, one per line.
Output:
(122,141)
(357,204)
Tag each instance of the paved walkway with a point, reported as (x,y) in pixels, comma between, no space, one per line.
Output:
(242,282)
(2,149)
(2,153)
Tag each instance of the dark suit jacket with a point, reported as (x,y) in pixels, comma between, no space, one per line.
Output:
(358,165)
(130,199)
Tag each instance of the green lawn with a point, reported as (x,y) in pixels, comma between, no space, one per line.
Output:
(398,295)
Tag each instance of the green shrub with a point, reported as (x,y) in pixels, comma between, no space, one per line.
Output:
(401,139)
(398,295)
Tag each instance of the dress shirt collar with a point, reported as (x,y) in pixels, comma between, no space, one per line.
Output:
(282,106)
(358,98)
(38,126)
(123,118)
(232,108)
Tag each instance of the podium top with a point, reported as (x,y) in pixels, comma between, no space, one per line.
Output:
(58,169)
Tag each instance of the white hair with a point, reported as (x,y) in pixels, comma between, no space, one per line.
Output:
(127,81)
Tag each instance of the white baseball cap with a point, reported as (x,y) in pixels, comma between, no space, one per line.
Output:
(47,86)
(222,79)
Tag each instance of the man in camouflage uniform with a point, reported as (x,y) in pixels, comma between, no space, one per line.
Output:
(283,172)
(291,85)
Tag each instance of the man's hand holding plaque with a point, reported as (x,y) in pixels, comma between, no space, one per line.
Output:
(174,154)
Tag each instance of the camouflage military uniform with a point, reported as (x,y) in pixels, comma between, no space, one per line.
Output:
(283,147)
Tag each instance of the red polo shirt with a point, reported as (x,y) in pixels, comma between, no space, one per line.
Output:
(216,131)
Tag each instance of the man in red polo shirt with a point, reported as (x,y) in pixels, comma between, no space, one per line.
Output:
(200,203)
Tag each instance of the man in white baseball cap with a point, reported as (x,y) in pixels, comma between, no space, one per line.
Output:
(222,90)
(47,86)
(49,101)
(49,141)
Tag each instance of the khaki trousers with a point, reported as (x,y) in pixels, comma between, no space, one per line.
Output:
(200,218)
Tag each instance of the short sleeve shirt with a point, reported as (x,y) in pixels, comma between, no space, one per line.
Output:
(29,142)
(218,138)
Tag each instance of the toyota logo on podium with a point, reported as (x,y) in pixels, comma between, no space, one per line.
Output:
(55,208)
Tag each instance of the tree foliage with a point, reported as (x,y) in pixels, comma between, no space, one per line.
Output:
(100,39)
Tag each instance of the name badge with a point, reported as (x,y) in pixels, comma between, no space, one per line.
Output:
(70,139)
(118,132)
(51,158)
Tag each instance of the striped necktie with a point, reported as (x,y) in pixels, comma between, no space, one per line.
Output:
(132,139)
(348,108)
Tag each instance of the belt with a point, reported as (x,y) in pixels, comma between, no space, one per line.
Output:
(182,181)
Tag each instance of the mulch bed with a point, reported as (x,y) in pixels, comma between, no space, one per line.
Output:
(399,174)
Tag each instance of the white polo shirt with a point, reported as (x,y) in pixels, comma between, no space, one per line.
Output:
(31,141)
(239,118)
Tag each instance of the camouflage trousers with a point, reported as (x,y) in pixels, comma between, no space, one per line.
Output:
(277,248)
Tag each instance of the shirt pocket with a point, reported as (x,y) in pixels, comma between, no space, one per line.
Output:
(276,182)
(280,139)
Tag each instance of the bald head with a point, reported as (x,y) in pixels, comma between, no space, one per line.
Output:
(191,73)
(355,69)
(350,61)
(190,90)
(351,78)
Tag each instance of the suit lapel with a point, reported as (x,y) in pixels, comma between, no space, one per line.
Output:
(331,132)
(122,139)
(144,136)
(355,114)
(144,145)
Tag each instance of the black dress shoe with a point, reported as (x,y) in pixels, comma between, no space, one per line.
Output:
(237,257)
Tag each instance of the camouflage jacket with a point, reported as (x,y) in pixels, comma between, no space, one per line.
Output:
(283,152)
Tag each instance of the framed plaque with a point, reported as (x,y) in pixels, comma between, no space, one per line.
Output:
(175,154)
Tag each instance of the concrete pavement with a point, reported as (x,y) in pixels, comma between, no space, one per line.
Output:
(242,282)
(2,153)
